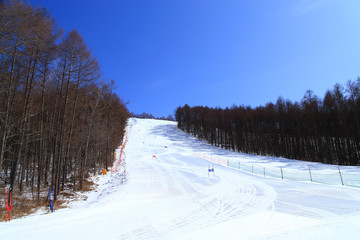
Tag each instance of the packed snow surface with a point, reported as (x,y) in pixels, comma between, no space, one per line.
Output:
(170,194)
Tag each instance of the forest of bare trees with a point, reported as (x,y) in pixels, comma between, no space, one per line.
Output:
(150,116)
(322,130)
(59,120)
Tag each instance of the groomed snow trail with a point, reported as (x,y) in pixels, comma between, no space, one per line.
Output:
(169,195)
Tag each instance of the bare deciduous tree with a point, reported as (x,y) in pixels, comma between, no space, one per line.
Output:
(58,121)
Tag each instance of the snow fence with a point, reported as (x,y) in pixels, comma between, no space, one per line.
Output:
(306,174)
(119,157)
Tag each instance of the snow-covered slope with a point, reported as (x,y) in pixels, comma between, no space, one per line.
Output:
(170,195)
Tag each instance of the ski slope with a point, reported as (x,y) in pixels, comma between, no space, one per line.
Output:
(169,194)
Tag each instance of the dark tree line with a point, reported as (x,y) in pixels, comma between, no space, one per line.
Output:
(322,130)
(150,116)
(58,120)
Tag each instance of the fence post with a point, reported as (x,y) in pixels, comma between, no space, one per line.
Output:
(6,205)
(239,165)
(282,176)
(310,174)
(9,207)
(252,168)
(51,203)
(264,171)
(342,182)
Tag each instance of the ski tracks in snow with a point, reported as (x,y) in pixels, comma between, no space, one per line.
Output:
(168,194)
(175,179)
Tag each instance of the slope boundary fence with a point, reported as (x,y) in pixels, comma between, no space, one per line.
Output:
(323,176)
(119,156)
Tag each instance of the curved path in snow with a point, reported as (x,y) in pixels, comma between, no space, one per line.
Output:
(169,195)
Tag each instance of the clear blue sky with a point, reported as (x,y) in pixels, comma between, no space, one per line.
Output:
(165,53)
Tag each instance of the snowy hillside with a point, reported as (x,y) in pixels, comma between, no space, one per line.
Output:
(170,194)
